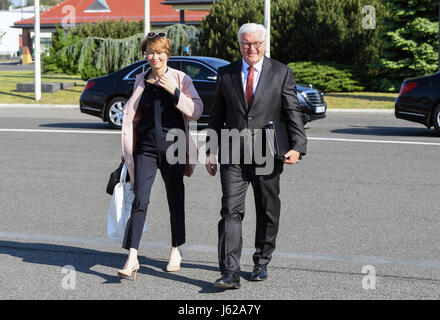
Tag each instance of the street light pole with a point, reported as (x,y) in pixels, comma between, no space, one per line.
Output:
(37,50)
(267,25)
(146,17)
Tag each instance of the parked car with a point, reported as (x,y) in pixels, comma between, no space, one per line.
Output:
(419,101)
(311,102)
(105,97)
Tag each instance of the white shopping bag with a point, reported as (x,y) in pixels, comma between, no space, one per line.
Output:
(120,208)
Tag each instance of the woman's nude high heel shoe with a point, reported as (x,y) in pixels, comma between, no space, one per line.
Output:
(175,259)
(128,273)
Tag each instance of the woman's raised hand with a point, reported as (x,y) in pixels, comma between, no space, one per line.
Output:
(168,83)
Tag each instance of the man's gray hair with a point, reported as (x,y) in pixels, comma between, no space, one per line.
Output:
(251,28)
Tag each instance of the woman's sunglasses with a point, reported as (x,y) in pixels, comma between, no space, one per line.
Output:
(152,35)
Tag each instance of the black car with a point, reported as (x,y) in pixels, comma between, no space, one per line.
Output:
(419,101)
(105,97)
(311,103)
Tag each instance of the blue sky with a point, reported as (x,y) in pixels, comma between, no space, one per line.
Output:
(17,2)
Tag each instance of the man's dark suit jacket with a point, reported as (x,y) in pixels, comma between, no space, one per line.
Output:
(275,100)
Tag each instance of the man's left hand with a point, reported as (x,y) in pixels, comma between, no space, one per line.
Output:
(291,157)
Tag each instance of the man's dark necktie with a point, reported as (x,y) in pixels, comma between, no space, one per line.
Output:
(250,86)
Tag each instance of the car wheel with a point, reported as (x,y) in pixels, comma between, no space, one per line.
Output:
(115,112)
(436,118)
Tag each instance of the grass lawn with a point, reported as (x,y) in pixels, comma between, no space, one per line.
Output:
(360,100)
(9,94)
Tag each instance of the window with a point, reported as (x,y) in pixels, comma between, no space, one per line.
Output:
(98,6)
(173,64)
(197,71)
(136,71)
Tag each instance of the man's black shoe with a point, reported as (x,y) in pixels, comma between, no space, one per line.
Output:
(259,273)
(229,280)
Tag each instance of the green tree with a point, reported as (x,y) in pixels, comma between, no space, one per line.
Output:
(92,56)
(302,30)
(218,37)
(4,4)
(44,2)
(410,38)
(403,11)
(68,55)
(180,36)
(93,50)
(108,29)
(325,30)
(53,62)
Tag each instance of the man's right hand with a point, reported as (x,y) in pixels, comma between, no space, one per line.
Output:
(211,164)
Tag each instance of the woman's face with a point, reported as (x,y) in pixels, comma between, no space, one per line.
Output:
(156,60)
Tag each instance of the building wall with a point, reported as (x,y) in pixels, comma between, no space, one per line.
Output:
(9,45)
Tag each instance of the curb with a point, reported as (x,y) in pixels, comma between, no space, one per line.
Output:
(360,111)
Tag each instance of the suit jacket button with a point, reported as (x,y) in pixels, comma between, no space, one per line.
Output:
(250,118)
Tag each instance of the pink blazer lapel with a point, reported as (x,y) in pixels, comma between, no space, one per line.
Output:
(189,104)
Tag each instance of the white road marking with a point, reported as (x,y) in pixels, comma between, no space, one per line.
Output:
(62,131)
(376,141)
(202,134)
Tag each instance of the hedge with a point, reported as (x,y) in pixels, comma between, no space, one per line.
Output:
(330,76)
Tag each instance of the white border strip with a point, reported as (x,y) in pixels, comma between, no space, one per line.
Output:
(375,141)
(117,132)
(62,131)
(38,106)
(74,106)
(360,110)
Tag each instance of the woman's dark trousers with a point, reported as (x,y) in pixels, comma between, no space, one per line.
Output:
(145,168)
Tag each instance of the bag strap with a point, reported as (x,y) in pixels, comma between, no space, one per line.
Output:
(123,174)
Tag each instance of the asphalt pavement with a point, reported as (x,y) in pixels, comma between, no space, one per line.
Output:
(15,66)
(360,216)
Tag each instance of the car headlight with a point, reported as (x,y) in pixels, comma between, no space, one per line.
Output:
(302,98)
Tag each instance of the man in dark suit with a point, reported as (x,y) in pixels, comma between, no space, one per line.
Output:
(249,94)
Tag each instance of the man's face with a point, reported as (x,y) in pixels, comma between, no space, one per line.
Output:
(248,44)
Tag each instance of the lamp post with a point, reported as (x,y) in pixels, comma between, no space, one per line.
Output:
(267,25)
(37,50)
(146,17)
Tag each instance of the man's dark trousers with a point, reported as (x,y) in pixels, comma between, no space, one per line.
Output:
(235,180)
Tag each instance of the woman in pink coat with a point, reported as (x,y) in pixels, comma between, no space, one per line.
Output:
(163,99)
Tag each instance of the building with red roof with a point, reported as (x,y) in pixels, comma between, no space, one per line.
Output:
(70,13)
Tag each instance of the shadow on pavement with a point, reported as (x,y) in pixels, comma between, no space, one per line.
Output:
(83,260)
(388,131)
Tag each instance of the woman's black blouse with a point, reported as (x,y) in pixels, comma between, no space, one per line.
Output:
(171,117)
